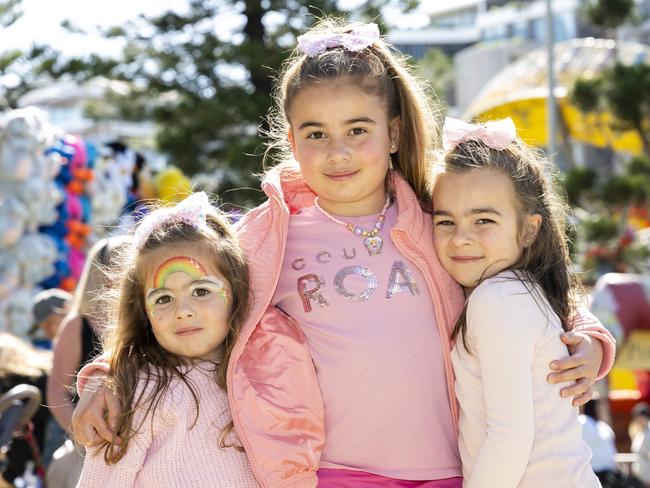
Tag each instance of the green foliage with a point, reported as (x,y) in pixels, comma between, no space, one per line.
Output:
(639,165)
(609,13)
(436,68)
(627,94)
(577,182)
(601,229)
(586,94)
(622,90)
(625,189)
(207,91)
(9,12)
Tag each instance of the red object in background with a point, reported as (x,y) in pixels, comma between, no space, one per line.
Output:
(68,284)
(83,174)
(620,404)
(75,187)
(633,311)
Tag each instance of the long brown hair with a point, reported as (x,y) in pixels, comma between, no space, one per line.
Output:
(546,260)
(135,353)
(380,69)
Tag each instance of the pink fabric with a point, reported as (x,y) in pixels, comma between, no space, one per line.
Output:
(174,447)
(362,316)
(515,429)
(345,478)
(263,233)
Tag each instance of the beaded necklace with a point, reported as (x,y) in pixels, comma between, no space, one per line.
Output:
(372,241)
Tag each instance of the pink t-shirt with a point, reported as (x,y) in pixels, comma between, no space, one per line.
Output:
(370,327)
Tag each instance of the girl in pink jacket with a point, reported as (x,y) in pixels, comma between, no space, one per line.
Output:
(183,296)
(341,375)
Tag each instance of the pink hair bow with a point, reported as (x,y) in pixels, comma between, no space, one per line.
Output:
(192,210)
(359,38)
(496,134)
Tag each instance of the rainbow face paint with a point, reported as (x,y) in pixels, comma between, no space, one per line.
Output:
(178,264)
(159,296)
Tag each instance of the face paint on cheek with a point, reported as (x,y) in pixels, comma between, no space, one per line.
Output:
(218,288)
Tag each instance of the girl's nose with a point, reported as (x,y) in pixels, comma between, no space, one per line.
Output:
(184,309)
(462,237)
(338,152)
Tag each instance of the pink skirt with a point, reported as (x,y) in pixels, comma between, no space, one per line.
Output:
(347,478)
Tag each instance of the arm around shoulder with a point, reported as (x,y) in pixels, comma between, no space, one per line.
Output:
(585,322)
(277,405)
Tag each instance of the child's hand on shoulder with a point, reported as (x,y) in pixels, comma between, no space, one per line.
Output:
(581,366)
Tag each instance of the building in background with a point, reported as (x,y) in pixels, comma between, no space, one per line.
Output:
(66,103)
(485,36)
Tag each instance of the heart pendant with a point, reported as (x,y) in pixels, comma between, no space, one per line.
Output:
(373,244)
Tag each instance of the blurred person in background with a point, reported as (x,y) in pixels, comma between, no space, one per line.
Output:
(77,341)
(600,438)
(48,308)
(22,363)
(639,431)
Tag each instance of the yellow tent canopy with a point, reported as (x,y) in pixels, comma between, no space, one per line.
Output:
(521,89)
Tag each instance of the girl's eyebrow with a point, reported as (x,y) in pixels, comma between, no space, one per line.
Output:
(473,211)
(356,120)
(153,291)
(489,210)
(211,281)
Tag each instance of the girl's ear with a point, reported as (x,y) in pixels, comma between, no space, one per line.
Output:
(292,142)
(394,131)
(532,224)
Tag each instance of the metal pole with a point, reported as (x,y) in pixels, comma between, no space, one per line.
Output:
(551,115)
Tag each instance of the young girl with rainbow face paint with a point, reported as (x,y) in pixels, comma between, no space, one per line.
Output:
(182,296)
(341,374)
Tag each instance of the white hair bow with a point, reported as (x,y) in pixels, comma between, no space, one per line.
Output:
(359,38)
(192,210)
(496,134)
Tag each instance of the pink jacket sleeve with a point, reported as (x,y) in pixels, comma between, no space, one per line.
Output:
(276,404)
(584,321)
(98,367)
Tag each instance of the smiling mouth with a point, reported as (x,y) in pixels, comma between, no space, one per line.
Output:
(466,259)
(340,176)
(185,331)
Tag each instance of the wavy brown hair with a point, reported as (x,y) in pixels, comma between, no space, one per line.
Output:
(546,260)
(378,69)
(135,355)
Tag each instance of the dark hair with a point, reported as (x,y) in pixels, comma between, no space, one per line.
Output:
(641,409)
(134,351)
(378,69)
(546,260)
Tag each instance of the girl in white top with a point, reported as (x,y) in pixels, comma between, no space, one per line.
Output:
(499,232)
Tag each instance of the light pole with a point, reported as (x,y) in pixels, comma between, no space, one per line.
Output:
(551,113)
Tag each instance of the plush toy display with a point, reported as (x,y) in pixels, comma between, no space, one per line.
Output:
(57,197)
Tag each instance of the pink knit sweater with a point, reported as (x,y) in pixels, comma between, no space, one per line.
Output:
(170,450)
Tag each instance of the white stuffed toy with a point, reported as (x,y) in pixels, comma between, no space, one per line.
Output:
(24,135)
(19,312)
(13,219)
(41,198)
(35,255)
(107,193)
(9,273)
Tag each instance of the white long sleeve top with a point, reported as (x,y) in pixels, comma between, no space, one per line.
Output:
(514,428)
